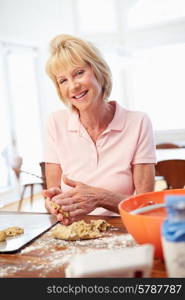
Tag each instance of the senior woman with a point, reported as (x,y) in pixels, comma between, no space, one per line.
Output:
(96,152)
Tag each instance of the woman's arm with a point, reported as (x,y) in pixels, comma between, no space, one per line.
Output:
(144,181)
(53,175)
(82,199)
(144,178)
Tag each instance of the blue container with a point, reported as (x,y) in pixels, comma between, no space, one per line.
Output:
(173,228)
(173,236)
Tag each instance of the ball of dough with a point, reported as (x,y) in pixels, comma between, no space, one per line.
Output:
(2,236)
(57,207)
(80,230)
(13,231)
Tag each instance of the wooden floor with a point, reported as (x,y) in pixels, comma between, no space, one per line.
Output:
(37,206)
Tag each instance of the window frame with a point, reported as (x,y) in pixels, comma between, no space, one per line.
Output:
(12,191)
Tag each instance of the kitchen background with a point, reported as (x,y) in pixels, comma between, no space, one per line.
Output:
(142,40)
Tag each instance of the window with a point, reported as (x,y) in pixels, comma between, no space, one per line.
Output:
(116,64)
(20,126)
(5,140)
(5,177)
(157,77)
(147,12)
(21,66)
(89,16)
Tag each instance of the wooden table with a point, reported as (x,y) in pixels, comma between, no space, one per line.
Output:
(47,257)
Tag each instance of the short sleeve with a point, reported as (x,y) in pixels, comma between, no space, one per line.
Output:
(50,143)
(145,150)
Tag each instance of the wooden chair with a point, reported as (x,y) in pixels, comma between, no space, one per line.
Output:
(31,182)
(43,172)
(31,185)
(167,146)
(26,186)
(173,172)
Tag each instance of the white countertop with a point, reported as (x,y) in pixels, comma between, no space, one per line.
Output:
(164,154)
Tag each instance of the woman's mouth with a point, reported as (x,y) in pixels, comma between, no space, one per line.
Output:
(80,96)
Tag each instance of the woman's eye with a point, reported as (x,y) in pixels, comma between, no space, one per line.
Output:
(80,72)
(62,81)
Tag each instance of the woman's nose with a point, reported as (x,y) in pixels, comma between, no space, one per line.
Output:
(74,85)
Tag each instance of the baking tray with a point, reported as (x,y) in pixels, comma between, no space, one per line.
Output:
(34,225)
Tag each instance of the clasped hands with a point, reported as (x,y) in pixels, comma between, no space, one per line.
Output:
(78,201)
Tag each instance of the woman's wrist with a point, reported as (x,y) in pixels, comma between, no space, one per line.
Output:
(110,200)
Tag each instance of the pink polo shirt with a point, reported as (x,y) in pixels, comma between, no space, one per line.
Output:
(127,140)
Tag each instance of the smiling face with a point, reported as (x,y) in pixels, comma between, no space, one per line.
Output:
(79,86)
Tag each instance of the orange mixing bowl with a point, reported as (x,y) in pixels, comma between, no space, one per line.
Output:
(146,227)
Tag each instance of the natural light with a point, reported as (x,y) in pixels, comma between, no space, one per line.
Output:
(147,64)
(158,85)
(147,12)
(90,16)
(4,133)
(25,108)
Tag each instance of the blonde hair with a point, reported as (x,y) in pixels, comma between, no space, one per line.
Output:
(68,50)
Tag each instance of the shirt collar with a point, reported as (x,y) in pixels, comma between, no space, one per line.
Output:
(117,122)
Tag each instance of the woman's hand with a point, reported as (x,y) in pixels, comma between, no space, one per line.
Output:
(49,194)
(80,200)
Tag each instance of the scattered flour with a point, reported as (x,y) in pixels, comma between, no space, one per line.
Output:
(52,254)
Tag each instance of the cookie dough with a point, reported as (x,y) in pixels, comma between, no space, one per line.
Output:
(2,236)
(100,225)
(80,230)
(58,209)
(13,231)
